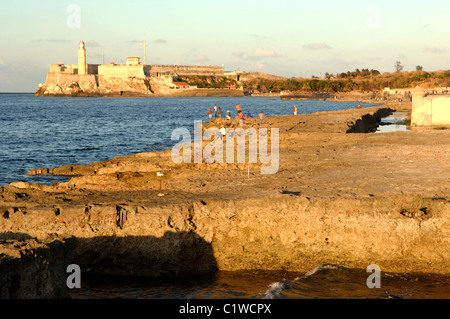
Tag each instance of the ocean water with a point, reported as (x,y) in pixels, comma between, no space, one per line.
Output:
(49,132)
(323,282)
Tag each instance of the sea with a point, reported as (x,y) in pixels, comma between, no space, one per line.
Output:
(50,132)
(46,132)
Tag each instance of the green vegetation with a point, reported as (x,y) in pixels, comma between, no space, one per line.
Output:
(358,80)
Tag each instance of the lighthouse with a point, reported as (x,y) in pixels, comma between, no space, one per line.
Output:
(82,67)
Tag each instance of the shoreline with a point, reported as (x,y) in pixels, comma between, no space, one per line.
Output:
(127,94)
(338,197)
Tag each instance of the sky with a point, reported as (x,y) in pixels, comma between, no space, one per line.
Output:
(290,38)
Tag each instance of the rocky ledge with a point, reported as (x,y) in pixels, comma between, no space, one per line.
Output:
(351,199)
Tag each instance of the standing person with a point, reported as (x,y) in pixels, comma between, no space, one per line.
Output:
(295,109)
(238,108)
(210,114)
(215,111)
(261,118)
(241,119)
(228,116)
(219,112)
(223,131)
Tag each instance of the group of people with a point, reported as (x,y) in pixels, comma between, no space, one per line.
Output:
(218,114)
(217,111)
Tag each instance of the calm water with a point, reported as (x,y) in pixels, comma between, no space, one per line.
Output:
(393,123)
(50,132)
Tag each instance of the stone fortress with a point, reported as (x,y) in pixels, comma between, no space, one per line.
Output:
(133,78)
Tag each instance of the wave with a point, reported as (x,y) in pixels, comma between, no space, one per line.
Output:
(275,291)
(330,281)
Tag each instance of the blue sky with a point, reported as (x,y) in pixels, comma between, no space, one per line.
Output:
(283,37)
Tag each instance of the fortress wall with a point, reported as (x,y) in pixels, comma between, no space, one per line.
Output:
(136,71)
(51,78)
(56,67)
(92,68)
(64,68)
(82,80)
(121,71)
(187,70)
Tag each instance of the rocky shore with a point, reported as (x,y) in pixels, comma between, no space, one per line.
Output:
(340,196)
(56,91)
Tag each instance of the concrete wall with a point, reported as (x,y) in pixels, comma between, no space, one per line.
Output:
(431,110)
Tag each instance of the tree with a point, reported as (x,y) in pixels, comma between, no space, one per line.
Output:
(419,68)
(398,66)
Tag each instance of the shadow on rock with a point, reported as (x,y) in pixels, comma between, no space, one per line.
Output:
(174,256)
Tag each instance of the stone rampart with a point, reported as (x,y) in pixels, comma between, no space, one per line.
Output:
(121,71)
(187,70)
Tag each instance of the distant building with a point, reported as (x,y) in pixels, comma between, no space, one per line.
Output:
(133,61)
(180,85)
(431,110)
(133,76)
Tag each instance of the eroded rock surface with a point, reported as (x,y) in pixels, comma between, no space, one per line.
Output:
(351,199)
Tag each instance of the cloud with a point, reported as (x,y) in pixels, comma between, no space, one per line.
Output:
(94,55)
(159,40)
(201,58)
(93,44)
(241,55)
(436,50)
(263,52)
(316,46)
(135,41)
(255,57)
(50,40)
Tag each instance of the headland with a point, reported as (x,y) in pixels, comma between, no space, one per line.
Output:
(340,196)
(135,79)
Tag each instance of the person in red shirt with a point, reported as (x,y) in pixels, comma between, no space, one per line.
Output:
(241,119)
(210,113)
